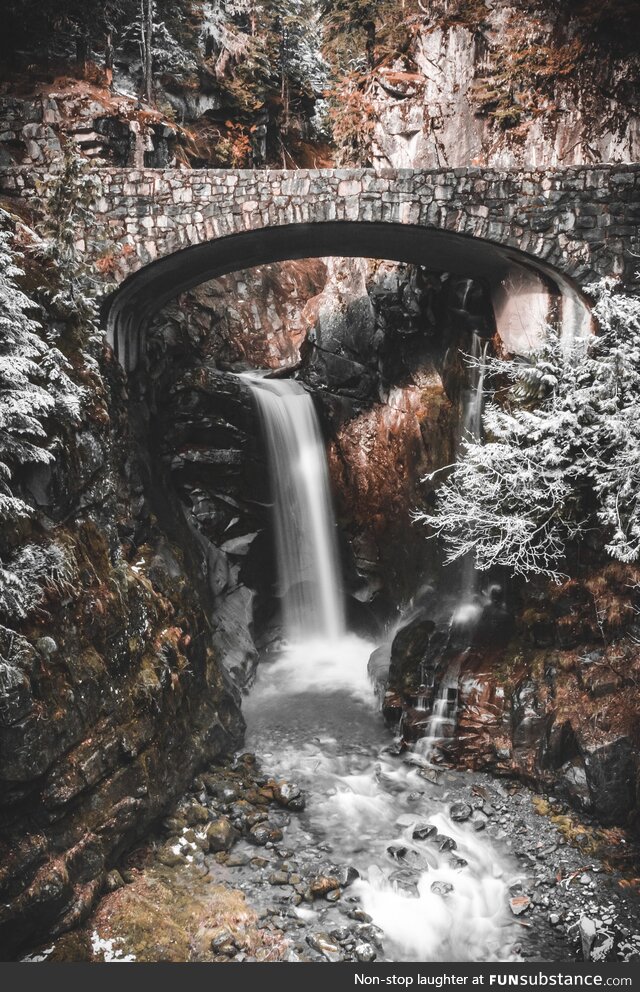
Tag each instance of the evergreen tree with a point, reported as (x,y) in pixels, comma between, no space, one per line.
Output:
(34,386)
(34,381)
(561,455)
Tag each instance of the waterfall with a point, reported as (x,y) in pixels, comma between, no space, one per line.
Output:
(307,555)
(472,413)
(441,723)
(471,428)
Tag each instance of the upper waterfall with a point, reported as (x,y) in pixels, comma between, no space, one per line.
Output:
(309,578)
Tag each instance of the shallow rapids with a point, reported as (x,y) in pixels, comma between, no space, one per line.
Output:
(312,715)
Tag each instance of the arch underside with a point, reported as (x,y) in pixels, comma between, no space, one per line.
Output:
(128,310)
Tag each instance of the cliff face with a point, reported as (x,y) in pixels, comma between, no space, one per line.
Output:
(112,692)
(466,82)
(508,84)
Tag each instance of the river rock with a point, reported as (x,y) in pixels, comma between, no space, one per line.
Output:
(441,888)
(519,904)
(171,856)
(323,884)
(445,843)
(365,952)
(289,795)
(458,863)
(405,881)
(360,915)
(174,824)
(279,878)
(587,936)
(460,812)
(222,941)
(237,860)
(220,788)
(323,943)
(424,831)
(221,835)
(113,881)
(345,874)
(397,851)
(264,833)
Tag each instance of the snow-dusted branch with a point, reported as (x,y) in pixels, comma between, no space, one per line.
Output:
(562,453)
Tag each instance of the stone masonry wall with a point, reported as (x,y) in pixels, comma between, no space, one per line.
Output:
(582,220)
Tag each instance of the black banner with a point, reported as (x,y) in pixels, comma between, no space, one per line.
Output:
(326,977)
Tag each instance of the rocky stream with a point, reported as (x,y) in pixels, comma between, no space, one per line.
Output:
(334,838)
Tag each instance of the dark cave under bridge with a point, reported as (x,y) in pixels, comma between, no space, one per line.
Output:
(179,228)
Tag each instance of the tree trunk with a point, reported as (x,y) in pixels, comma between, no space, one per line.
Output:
(82,52)
(146,14)
(370,43)
(284,89)
(108,58)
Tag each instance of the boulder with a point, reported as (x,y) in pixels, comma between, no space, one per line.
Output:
(410,650)
(611,771)
(221,835)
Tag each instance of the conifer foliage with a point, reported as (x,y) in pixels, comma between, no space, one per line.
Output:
(561,454)
(34,380)
(35,386)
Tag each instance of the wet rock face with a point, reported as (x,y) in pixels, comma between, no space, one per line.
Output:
(112,695)
(376,357)
(213,459)
(258,318)
(559,712)
(611,774)
(410,655)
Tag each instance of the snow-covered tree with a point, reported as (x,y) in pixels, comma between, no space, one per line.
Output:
(34,386)
(34,380)
(222,35)
(560,456)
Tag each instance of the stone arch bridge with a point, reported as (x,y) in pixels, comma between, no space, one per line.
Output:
(177,228)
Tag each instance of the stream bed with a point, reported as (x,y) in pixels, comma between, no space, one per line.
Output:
(430,878)
(324,843)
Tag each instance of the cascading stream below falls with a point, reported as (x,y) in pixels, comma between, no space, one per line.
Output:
(312,715)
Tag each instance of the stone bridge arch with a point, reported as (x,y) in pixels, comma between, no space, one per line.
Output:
(177,228)
(183,228)
(129,310)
